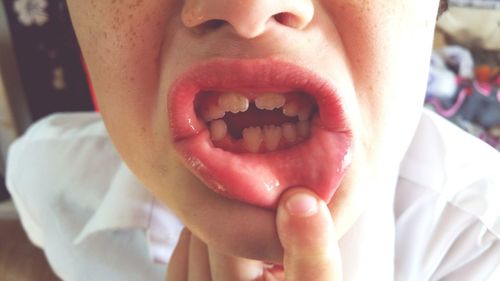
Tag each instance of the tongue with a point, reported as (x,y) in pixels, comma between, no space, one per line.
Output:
(254,117)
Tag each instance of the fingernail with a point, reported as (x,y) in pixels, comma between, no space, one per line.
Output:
(302,205)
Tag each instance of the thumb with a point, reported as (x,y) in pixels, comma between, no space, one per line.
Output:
(307,234)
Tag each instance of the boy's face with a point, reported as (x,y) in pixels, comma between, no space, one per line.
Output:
(350,75)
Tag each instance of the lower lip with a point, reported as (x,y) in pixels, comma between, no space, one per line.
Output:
(319,163)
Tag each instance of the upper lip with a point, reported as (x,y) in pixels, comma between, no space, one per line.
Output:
(318,163)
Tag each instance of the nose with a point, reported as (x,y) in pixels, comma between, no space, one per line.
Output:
(248,18)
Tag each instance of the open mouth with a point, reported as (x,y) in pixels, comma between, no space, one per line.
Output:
(250,129)
(256,122)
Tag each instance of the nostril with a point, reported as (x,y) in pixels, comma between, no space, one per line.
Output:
(214,24)
(248,19)
(209,25)
(288,19)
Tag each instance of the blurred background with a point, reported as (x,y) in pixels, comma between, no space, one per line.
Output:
(40,67)
(41,72)
(464,75)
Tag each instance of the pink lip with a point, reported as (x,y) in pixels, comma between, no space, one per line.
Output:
(318,163)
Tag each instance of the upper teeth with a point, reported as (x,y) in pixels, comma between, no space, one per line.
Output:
(270,101)
(235,102)
(212,112)
(291,108)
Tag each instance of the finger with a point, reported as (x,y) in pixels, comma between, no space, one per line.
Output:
(199,267)
(307,233)
(178,265)
(229,268)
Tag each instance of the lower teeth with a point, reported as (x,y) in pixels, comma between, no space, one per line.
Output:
(252,139)
(266,138)
(218,130)
(289,132)
(272,137)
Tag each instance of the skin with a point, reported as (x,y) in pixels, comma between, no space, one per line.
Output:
(300,217)
(135,50)
(305,259)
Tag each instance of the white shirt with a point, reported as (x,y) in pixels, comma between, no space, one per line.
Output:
(79,202)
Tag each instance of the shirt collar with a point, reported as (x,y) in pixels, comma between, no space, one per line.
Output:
(423,163)
(128,205)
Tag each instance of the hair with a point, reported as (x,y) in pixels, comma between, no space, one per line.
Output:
(443,6)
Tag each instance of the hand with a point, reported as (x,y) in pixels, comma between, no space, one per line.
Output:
(307,234)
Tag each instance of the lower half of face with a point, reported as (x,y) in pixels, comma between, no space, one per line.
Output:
(218,107)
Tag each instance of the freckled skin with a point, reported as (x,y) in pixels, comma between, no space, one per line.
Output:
(135,49)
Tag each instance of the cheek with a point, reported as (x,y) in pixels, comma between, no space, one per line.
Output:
(121,48)
(122,45)
(388,47)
